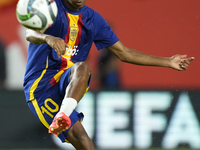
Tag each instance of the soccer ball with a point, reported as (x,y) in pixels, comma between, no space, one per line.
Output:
(36,14)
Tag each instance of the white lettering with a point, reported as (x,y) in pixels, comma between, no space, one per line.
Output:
(111,115)
(183,126)
(71,52)
(145,121)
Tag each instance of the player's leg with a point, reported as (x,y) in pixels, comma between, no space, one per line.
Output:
(78,137)
(79,78)
(74,87)
(47,105)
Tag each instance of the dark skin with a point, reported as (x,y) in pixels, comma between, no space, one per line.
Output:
(125,54)
(74,4)
(80,71)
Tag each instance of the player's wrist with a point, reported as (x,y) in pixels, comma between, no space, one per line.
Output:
(165,62)
(169,62)
(46,38)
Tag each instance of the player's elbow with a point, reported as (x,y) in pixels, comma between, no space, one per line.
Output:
(122,58)
(125,56)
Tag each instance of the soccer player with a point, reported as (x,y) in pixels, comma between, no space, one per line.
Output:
(57,75)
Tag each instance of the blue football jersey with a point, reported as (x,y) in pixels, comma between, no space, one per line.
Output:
(79,29)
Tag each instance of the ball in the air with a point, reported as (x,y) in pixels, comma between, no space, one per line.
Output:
(36,14)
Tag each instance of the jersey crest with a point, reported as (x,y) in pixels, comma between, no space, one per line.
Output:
(73,33)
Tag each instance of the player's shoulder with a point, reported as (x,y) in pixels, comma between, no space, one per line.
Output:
(91,13)
(59,3)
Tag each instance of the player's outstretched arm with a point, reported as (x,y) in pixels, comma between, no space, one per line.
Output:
(37,37)
(177,62)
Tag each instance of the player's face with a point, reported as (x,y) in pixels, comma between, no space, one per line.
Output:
(75,4)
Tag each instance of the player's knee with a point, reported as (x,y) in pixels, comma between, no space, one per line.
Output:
(84,67)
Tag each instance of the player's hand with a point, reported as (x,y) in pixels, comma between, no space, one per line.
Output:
(180,62)
(57,43)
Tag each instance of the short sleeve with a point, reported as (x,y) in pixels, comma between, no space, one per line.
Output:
(104,37)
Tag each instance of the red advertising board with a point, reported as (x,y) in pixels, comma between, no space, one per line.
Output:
(157,27)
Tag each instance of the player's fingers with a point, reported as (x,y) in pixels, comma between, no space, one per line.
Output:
(58,51)
(62,47)
(183,67)
(185,61)
(191,58)
(188,60)
(66,45)
(185,64)
(183,56)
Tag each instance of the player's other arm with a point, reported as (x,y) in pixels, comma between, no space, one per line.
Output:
(38,37)
(35,37)
(177,62)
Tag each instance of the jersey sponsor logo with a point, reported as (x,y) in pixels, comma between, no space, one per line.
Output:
(71,51)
